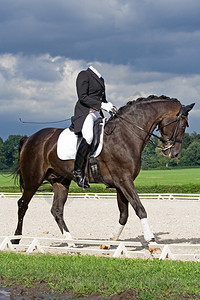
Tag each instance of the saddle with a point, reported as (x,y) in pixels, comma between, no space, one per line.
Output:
(68,143)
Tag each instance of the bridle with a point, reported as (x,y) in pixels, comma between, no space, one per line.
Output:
(172,140)
(169,142)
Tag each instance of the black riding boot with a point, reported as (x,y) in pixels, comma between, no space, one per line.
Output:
(80,164)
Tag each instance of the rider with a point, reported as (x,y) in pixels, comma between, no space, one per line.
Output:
(91,99)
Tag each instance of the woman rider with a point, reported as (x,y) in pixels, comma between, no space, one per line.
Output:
(91,99)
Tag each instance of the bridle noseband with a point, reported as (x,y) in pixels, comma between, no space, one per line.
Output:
(174,133)
(170,142)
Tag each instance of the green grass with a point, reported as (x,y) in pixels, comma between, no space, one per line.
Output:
(6,180)
(168,177)
(87,275)
(148,181)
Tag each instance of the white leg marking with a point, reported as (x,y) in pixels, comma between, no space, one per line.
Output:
(116,232)
(67,236)
(148,235)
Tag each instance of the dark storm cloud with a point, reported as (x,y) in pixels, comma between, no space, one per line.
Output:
(141,47)
(151,35)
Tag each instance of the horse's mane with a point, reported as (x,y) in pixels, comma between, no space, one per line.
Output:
(149,99)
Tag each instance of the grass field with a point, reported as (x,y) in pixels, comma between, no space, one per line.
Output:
(155,181)
(6,180)
(85,275)
(168,177)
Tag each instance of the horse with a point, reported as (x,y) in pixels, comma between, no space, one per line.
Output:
(125,136)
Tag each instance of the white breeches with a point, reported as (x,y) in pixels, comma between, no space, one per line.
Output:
(87,130)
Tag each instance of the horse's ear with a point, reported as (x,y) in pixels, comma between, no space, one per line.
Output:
(191,106)
(187,108)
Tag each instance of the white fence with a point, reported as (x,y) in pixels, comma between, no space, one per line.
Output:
(116,249)
(159,196)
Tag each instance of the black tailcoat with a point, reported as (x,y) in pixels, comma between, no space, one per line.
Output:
(91,93)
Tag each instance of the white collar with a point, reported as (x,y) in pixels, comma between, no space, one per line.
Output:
(95,71)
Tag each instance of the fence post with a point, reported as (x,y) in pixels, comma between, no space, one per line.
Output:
(166,252)
(35,245)
(121,251)
(6,244)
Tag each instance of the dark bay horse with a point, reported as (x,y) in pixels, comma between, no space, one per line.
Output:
(125,137)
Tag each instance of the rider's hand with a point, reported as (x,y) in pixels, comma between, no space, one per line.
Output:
(108,106)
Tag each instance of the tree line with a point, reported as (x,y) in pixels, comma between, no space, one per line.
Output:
(152,157)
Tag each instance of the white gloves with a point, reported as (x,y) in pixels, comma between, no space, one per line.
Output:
(108,106)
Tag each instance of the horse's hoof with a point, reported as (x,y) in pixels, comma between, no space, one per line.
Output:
(152,240)
(16,242)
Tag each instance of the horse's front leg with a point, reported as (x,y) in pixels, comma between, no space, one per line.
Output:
(60,197)
(129,192)
(123,217)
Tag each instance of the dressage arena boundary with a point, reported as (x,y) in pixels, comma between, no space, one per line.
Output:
(158,196)
(115,249)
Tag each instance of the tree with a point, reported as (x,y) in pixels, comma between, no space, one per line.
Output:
(154,158)
(194,136)
(10,150)
(192,154)
(149,159)
(186,141)
(2,158)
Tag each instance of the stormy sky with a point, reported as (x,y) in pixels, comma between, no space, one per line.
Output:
(141,47)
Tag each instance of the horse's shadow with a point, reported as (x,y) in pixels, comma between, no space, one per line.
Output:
(160,240)
(140,238)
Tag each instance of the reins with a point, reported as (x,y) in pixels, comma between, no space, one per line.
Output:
(173,136)
(123,120)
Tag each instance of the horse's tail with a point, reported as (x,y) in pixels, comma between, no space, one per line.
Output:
(17,171)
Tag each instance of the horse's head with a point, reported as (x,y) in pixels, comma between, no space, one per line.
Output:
(172,128)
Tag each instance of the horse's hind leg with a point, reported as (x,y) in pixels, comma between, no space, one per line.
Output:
(123,209)
(32,179)
(60,197)
(23,203)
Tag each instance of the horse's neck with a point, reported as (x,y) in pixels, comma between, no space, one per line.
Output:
(145,115)
(148,114)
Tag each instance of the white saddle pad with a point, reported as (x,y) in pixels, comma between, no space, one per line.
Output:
(68,143)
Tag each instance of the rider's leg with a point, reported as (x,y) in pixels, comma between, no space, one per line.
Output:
(80,162)
(83,151)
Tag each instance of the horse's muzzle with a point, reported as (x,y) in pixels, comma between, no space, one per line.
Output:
(167,146)
(171,150)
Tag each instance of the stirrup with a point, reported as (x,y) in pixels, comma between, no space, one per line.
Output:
(81,182)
